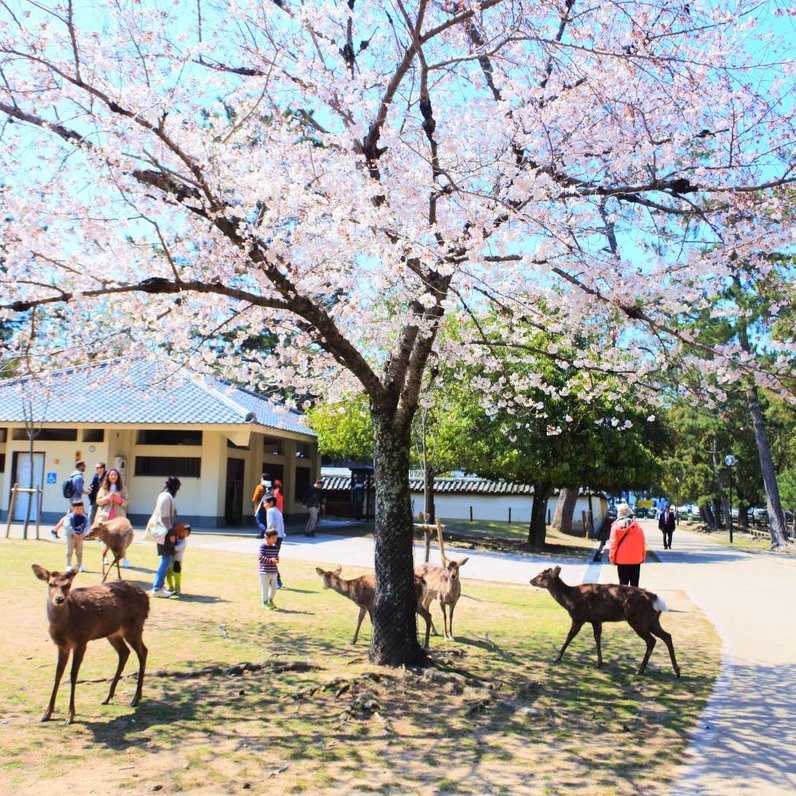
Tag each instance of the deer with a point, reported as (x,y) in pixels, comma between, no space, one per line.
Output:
(600,602)
(116,611)
(117,534)
(444,584)
(362,592)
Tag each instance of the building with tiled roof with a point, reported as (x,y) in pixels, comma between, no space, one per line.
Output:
(150,421)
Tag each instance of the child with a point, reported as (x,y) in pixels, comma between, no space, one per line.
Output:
(275,521)
(269,559)
(174,573)
(75,528)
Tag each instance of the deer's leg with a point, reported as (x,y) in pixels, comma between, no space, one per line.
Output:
(650,639)
(110,567)
(445,620)
(427,616)
(598,632)
(104,558)
(137,643)
(77,658)
(657,630)
(362,611)
(118,569)
(63,655)
(450,619)
(426,604)
(123,651)
(573,631)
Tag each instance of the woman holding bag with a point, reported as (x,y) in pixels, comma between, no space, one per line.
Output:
(112,501)
(160,529)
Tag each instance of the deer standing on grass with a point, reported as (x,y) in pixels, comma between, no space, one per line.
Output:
(362,592)
(444,584)
(116,611)
(599,602)
(118,536)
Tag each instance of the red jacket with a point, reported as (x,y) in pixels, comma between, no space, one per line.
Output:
(626,544)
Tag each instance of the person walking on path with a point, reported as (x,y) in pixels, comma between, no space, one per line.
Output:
(667,524)
(75,528)
(160,528)
(313,500)
(268,558)
(626,546)
(94,488)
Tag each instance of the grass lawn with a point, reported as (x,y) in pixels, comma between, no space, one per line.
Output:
(494,715)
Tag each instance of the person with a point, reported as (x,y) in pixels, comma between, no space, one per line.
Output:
(626,546)
(666,523)
(275,521)
(268,563)
(111,500)
(174,573)
(279,494)
(160,528)
(313,500)
(94,488)
(260,490)
(78,490)
(75,528)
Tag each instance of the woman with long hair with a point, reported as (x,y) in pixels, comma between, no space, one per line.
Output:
(161,528)
(112,498)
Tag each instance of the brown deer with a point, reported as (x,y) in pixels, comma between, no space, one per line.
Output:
(116,611)
(362,592)
(443,584)
(118,536)
(599,602)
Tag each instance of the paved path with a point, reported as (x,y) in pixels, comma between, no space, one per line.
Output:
(745,743)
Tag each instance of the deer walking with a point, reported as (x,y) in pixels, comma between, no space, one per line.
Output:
(443,584)
(117,534)
(362,592)
(116,611)
(599,602)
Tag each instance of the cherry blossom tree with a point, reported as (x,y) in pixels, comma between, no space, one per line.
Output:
(344,175)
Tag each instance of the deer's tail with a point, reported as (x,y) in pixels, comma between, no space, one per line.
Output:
(659,605)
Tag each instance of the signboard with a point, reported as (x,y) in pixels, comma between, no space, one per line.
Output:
(52,478)
(645,504)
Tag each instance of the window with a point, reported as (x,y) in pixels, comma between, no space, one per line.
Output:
(164,466)
(302,483)
(3,434)
(47,434)
(303,450)
(2,462)
(93,435)
(160,436)
(272,445)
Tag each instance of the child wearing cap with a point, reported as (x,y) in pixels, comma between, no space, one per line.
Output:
(75,528)
(268,563)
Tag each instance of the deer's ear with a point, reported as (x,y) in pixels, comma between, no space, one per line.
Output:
(320,571)
(338,570)
(463,561)
(40,572)
(556,571)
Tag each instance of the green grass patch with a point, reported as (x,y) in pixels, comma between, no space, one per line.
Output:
(494,714)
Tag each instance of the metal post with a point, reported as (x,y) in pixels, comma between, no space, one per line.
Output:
(730,461)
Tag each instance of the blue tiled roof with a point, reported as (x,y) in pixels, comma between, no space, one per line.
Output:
(139,392)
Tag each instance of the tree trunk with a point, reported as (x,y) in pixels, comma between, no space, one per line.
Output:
(776,516)
(707,517)
(394,613)
(565,507)
(743,516)
(537,531)
(428,492)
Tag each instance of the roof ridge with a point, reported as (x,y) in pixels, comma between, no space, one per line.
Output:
(202,381)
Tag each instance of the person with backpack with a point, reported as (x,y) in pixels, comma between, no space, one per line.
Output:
(627,546)
(74,487)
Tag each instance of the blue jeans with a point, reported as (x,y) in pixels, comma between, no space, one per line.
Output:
(160,575)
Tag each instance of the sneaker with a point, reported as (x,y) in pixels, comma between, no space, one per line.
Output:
(272,605)
(81,568)
(54,534)
(160,593)
(105,561)
(126,564)
(176,592)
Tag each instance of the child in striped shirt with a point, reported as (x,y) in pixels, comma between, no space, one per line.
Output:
(269,561)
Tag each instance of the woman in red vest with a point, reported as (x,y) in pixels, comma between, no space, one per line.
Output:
(627,547)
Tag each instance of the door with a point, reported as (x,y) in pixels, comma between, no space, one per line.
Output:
(20,475)
(233,505)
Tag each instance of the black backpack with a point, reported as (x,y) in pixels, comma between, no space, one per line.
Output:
(68,488)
